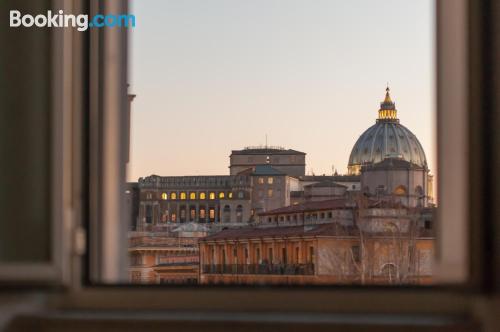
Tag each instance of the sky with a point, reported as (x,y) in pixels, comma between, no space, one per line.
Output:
(213,76)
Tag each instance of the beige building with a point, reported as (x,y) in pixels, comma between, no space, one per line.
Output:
(329,242)
(398,180)
(168,257)
(287,161)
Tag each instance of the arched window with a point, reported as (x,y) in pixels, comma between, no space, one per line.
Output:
(400,190)
(226,215)
(380,190)
(173,195)
(221,195)
(419,191)
(164,196)
(203,196)
(183,195)
(389,271)
(192,195)
(239,213)
(230,195)
(211,195)
(241,194)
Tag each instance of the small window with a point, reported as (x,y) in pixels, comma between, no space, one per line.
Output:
(164,196)
(270,180)
(241,194)
(221,195)
(239,213)
(192,195)
(203,196)
(356,253)
(261,180)
(311,254)
(230,195)
(183,195)
(211,195)
(173,195)
(149,214)
(428,224)
(269,193)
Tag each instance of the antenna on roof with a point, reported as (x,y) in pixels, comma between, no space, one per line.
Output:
(266,141)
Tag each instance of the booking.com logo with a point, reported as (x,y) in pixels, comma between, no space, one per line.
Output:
(81,22)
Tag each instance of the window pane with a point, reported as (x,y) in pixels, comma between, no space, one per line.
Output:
(25,141)
(349,196)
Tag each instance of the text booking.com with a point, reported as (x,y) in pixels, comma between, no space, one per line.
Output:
(61,20)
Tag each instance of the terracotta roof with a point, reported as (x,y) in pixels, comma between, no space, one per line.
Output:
(339,203)
(332,229)
(333,204)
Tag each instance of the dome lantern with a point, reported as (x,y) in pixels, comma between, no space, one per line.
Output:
(387,111)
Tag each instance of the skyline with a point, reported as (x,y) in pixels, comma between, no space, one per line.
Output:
(302,77)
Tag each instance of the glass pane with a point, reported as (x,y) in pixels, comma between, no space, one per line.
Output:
(326,111)
(25,138)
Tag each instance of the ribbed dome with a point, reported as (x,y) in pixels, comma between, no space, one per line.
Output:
(387,138)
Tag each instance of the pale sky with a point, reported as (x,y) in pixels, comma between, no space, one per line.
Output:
(212,76)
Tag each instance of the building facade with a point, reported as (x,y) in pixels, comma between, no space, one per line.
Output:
(268,222)
(165,257)
(170,200)
(327,242)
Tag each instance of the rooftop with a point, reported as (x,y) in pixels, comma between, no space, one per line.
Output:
(272,150)
(335,178)
(325,184)
(266,170)
(331,204)
(331,229)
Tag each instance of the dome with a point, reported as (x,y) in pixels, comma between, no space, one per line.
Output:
(387,138)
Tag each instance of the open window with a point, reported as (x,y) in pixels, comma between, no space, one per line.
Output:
(89,243)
